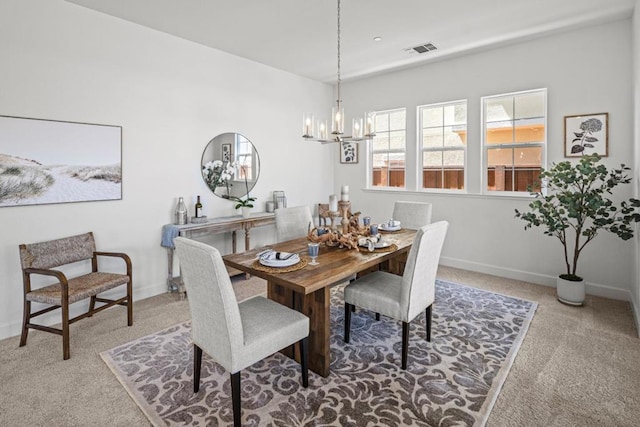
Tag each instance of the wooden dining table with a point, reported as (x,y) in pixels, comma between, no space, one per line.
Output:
(308,289)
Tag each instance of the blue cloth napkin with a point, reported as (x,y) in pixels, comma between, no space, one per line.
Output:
(169,232)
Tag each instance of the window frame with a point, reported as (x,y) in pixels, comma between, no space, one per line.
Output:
(484,178)
(420,149)
(371,152)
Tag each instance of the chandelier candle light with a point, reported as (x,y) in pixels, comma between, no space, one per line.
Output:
(363,129)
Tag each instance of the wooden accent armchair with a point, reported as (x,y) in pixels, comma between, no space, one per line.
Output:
(41,259)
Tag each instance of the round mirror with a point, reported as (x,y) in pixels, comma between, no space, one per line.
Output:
(230,165)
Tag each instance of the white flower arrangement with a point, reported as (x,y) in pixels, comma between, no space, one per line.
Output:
(217,173)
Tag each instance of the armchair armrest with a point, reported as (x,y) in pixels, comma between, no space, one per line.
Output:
(123,256)
(64,284)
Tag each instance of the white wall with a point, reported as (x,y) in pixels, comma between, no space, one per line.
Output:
(585,71)
(64,62)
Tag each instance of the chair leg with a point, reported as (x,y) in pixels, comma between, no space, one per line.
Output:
(428,315)
(235,397)
(130,303)
(405,343)
(92,305)
(197,364)
(378,316)
(304,358)
(25,319)
(65,330)
(347,321)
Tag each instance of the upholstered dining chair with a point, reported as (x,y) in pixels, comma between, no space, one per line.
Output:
(235,335)
(401,297)
(413,215)
(293,222)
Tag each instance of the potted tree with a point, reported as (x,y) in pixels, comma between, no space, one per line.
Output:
(573,205)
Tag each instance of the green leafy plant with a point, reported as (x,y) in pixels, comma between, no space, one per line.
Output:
(576,207)
(240,202)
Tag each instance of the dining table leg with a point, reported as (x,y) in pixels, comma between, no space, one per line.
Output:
(315,306)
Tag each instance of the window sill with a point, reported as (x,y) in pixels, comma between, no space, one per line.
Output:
(452,193)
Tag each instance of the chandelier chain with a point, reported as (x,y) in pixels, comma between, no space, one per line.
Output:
(339,81)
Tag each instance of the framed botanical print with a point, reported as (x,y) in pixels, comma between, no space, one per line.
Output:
(226,152)
(586,134)
(348,152)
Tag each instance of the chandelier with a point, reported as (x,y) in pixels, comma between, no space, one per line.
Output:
(363,128)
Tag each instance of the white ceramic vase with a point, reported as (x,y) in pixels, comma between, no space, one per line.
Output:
(571,293)
(246,211)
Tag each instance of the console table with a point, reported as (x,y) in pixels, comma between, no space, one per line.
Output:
(214,226)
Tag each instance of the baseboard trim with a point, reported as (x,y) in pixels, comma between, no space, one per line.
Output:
(540,279)
(13,329)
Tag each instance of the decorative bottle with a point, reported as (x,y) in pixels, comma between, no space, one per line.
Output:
(198,208)
(181,212)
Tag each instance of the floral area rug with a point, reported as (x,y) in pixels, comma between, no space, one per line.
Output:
(453,380)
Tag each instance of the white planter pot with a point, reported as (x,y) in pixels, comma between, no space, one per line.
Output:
(246,211)
(571,293)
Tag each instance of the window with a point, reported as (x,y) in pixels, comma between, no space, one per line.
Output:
(244,157)
(388,149)
(514,139)
(442,142)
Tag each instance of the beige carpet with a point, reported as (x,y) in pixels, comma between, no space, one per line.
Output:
(576,367)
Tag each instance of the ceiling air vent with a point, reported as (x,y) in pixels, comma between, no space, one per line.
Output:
(423,48)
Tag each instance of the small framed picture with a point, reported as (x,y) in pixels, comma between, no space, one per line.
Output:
(348,152)
(586,134)
(226,152)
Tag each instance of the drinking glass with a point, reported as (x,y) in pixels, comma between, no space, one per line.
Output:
(373,230)
(314,248)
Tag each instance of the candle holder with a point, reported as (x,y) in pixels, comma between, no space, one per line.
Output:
(333,215)
(344,206)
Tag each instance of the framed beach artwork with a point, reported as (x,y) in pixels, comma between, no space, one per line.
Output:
(50,161)
(586,134)
(348,152)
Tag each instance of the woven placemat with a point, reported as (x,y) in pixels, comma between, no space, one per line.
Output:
(391,247)
(257,266)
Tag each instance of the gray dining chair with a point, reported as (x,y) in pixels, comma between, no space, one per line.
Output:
(401,297)
(235,335)
(412,214)
(293,222)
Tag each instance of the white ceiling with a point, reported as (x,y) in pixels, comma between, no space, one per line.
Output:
(299,36)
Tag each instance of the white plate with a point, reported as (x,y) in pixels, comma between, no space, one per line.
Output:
(280,262)
(382,244)
(387,228)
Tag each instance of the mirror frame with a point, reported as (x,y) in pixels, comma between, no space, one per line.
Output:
(230,165)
